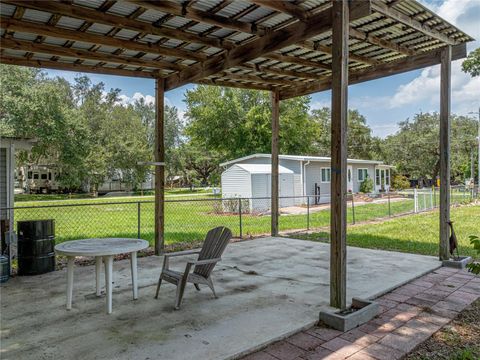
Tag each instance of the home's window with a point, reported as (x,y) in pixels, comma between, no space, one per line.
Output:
(29,175)
(44,176)
(35,176)
(362,174)
(49,176)
(377,177)
(326,174)
(349,174)
(387,176)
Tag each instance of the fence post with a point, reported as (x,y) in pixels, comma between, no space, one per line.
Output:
(434,197)
(415,200)
(240,216)
(431,199)
(308,212)
(353,210)
(138,219)
(389,207)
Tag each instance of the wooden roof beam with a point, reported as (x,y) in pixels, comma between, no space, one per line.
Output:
(15,44)
(375,72)
(234,84)
(49,64)
(280,71)
(284,7)
(297,61)
(96,16)
(273,41)
(257,79)
(200,16)
(328,50)
(386,44)
(53,31)
(408,21)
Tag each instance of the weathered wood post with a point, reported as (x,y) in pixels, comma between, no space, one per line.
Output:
(274,176)
(159,169)
(338,209)
(445,84)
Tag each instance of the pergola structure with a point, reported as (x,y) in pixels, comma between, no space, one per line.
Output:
(290,48)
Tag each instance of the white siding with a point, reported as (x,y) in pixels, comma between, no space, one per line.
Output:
(371,174)
(312,176)
(298,189)
(260,189)
(236,182)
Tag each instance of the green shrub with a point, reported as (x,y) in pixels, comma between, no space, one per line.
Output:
(366,186)
(400,182)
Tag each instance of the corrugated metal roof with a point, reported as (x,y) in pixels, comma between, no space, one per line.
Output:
(384,27)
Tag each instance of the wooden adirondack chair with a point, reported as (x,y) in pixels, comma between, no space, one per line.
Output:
(215,243)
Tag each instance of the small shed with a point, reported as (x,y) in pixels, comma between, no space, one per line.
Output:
(254,181)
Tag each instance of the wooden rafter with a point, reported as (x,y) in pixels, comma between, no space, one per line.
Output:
(423,60)
(281,71)
(285,7)
(328,50)
(269,43)
(200,16)
(297,61)
(386,44)
(29,46)
(95,69)
(117,21)
(408,21)
(47,30)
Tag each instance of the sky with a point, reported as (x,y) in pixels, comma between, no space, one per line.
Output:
(384,102)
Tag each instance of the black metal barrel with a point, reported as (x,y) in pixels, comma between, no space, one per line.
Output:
(36,242)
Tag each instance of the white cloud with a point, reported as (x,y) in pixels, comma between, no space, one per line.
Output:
(425,89)
(127,100)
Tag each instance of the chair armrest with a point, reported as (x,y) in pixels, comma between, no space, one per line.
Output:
(204,262)
(182,253)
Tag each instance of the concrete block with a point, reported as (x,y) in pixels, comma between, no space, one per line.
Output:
(344,321)
(457,263)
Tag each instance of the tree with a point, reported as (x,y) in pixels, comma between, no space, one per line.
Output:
(414,149)
(233,123)
(360,142)
(471,64)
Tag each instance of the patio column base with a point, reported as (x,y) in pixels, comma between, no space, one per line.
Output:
(365,310)
(458,262)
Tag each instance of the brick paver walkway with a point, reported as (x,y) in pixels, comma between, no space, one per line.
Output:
(409,315)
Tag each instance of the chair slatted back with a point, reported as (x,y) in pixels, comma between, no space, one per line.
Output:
(215,243)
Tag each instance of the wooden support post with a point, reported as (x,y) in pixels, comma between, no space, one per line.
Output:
(274,176)
(338,209)
(159,170)
(445,90)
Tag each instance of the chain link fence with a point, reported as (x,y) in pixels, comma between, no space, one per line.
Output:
(189,220)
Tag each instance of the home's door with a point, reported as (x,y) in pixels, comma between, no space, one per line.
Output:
(349,178)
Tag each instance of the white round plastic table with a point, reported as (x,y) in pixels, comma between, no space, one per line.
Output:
(104,249)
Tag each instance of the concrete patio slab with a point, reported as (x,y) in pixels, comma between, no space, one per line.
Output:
(268,289)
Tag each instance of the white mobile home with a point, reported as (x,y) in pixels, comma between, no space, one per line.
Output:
(299,176)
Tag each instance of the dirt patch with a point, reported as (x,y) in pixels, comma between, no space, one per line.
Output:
(457,340)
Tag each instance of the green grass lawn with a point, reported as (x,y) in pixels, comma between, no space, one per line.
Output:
(185,221)
(34,199)
(414,233)
(188,219)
